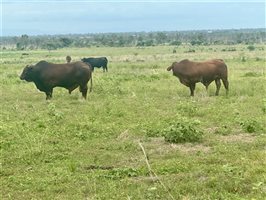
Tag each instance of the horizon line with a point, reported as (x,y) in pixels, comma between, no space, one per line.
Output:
(121,32)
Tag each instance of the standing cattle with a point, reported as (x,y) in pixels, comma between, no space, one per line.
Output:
(97,62)
(189,73)
(46,76)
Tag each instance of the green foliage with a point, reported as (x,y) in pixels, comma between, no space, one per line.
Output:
(50,46)
(66,42)
(182,131)
(251,48)
(131,39)
(120,173)
(251,126)
(176,43)
(196,42)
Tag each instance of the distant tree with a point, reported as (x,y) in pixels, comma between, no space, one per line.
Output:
(140,43)
(219,37)
(176,43)
(51,46)
(22,42)
(19,46)
(161,37)
(195,42)
(121,42)
(66,42)
(149,42)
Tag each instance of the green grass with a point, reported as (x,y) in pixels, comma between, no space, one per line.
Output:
(68,148)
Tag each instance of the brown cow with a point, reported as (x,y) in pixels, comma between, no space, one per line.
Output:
(189,73)
(46,76)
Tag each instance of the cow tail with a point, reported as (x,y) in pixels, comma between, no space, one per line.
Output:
(91,84)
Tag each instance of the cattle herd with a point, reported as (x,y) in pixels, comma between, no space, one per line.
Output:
(72,75)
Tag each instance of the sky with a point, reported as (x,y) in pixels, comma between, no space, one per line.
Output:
(50,17)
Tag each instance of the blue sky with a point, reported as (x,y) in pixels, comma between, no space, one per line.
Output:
(37,17)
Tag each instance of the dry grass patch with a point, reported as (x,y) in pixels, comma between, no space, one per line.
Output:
(245,138)
(158,146)
(191,148)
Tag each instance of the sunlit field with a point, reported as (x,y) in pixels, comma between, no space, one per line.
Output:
(70,148)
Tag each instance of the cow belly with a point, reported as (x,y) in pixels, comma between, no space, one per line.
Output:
(184,81)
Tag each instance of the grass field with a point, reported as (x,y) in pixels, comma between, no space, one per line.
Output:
(69,148)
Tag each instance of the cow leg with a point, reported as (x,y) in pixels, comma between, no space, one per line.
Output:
(226,85)
(206,86)
(49,94)
(83,89)
(192,88)
(72,88)
(218,85)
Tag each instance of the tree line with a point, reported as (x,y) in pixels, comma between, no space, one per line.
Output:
(176,38)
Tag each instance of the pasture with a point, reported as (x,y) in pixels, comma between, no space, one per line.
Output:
(69,148)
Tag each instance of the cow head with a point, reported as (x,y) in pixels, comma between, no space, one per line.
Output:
(68,59)
(171,67)
(27,73)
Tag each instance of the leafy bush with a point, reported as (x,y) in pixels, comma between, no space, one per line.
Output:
(251,126)
(182,131)
(251,48)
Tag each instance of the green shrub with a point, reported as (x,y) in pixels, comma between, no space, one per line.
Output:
(251,48)
(251,126)
(183,131)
